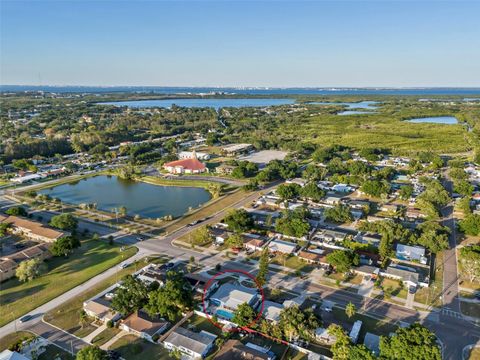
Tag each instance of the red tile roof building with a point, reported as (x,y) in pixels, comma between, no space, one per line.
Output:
(186,166)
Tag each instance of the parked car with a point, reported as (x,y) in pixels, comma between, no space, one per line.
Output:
(25,318)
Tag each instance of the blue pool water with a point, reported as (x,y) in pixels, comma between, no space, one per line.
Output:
(225,314)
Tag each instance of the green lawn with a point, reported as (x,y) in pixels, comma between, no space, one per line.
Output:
(12,338)
(54,352)
(67,315)
(131,347)
(372,325)
(105,336)
(431,295)
(397,288)
(292,262)
(92,258)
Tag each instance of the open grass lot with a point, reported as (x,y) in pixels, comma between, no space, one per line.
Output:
(470,309)
(372,325)
(292,262)
(104,336)
(66,316)
(431,295)
(54,352)
(131,347)
(12,338)
(92,258)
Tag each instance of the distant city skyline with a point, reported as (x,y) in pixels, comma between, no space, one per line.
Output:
(392,44)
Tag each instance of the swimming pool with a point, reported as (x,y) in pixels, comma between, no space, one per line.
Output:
(224,314)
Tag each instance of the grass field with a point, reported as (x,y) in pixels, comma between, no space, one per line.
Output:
(131,347)
(12,338)
(92,258)
(54,352)
(66,316)
(105,336)
(372,325)
(431,295)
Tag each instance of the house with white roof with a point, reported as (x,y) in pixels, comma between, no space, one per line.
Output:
(411,253)
(191,344)
(280,246)
(272,310)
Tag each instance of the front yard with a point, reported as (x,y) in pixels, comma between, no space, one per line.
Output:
(92,258)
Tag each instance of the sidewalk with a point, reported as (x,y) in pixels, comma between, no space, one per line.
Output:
(90,336)
(113,340)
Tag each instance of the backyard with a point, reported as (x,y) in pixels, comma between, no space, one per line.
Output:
(64,273)
(131,347)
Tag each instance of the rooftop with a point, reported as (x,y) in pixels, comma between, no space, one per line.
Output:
(191,164)
(196,342)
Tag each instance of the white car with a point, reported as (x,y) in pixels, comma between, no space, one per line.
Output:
(123,266)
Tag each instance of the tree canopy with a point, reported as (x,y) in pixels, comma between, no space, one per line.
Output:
(238,220)
(64,222)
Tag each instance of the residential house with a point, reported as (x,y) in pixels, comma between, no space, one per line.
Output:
(33,230)
(193,345)
(236,350)
(7,269)
(280,246)
(229,296)
(368,238)
(315,256)
(153,273)
(411,253)
(143,325)
(272,310)
(367,270)
(406,274)
(219,234)
(100,309)
(254,244)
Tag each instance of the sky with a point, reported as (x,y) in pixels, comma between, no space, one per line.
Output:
(241,43)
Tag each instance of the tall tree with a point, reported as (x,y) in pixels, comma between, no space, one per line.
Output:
(131,296)
(30,269)
(92,352)
(350,310)
(244,315)
(263,267)
(415,342)
(64,222)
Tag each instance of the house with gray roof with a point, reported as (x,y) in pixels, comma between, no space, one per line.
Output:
(191,344)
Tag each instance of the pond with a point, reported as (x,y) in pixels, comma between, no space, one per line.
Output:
(146,200)
(364,105)
(201,103)
(448,120)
